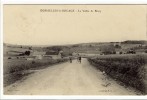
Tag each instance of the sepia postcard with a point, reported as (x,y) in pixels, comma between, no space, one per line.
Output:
(75,49)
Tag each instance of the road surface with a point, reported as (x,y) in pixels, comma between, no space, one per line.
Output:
(68,79)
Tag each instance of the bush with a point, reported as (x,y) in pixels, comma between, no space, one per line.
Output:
(120,52)
(117,46)
(9,57)
(27,53)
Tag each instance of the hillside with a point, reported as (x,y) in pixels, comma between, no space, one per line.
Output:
(91,48)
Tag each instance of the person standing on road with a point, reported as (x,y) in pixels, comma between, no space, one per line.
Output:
(70,59)
(80,59)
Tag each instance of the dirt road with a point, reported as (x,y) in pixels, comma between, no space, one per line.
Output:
(68,79)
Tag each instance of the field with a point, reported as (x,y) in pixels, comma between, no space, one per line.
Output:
(15,69)
(128,69)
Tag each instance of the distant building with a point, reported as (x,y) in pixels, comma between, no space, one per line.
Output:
(54,54)
(38,54)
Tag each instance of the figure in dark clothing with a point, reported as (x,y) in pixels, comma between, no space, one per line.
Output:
(80,59)
(70,60)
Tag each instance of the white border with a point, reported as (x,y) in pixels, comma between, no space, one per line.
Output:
(1,50)
(58,2)
(73,97)
(74,1)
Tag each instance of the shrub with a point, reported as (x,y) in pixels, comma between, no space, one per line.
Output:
(120,52)
(117,46)
(27,53)
(9,57)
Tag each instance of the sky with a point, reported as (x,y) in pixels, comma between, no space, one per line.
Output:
(27,25)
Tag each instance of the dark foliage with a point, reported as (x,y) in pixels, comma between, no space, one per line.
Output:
(27,53)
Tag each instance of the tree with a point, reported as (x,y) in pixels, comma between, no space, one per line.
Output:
(117,46)
(27,53)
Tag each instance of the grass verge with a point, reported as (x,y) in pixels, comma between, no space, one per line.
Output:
(16,69)
(129,69)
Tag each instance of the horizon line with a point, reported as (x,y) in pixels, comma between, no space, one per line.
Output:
(69,43)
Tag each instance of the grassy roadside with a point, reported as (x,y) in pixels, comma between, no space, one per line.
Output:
(129,69)
(16,69)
